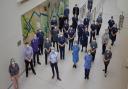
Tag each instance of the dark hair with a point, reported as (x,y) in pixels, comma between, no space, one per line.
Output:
(26,43)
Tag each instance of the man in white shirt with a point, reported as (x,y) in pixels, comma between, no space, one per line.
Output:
(53,59)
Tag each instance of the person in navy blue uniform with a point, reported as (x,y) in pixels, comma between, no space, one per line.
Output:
(86,22)
(113,34)
(93,31)
(90,4)
(35,47)
(71,36)
(47,46)
(40,35)
(84,40)
(74,22)
(61,42)
(80,31)
(111,22)
(53,23)
(65,30)
(76,10)
(66,13)
(99,23)
(55,33)
(61,22)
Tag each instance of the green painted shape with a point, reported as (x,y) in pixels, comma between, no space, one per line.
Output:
(61,8)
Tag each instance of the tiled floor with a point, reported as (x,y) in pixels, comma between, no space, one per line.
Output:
(74,78)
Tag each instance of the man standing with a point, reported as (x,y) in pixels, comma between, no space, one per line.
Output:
(93,46)
(61,42)
(111,22)
(74,22)
(80,31)
(113,34)
(90,4)
(35,47)
(105,40)
(87,64)
(86,22)
(107,57)
(66,13)
(65,30)
(93,31)
(71,36)
(47,46)
(61,23)
(40,35)
(84,40)
(76,11)
(99,23)
(55,33)
(53,59)
(28,56)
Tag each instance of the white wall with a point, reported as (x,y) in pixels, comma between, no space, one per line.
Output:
(10,33)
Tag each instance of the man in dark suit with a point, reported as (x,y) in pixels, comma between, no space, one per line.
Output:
(76,10)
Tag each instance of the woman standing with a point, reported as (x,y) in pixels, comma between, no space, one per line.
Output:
(14,73)
(75,54)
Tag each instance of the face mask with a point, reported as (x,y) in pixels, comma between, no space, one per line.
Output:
(89,53)
(13,63)
(27,45)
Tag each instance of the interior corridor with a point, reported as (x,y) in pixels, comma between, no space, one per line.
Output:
(74,78)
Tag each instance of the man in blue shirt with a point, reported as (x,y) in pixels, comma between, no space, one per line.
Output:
(35,47)
(87,64)
(61,42)
(40,35)
(71,36)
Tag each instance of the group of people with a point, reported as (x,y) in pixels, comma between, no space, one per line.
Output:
(66,34)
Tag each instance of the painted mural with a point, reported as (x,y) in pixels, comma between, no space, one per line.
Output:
(40,17)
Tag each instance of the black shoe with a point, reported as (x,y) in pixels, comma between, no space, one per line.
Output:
(52,77)
(39,63)
(103,70)
(34,73)
(59,79)
(26,76)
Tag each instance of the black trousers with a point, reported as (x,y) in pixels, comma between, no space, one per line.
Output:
(41,48)
(106,66)
(85,45)
(79,37)
(55,42)
(62,52)
(46,57)
(93,55)
(71,44)
(55,66)
(103,48)
(35,56)
(87,71)
(27,63)
(92,35)
(98,29)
